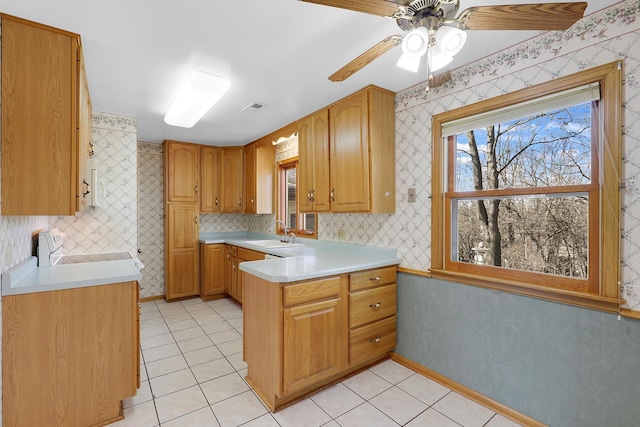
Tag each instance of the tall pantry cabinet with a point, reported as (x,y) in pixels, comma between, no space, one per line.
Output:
(182,201)
(46,120)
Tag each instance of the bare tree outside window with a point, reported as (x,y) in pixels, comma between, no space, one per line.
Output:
(513,201)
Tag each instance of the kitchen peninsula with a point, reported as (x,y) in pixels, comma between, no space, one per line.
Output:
(314,314)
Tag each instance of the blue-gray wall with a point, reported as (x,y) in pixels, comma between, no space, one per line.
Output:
(562,365)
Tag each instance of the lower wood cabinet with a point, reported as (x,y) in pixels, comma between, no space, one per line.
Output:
(70,357)
(181,251)
(233,278)
(301,336)
(312,336)
(212,271)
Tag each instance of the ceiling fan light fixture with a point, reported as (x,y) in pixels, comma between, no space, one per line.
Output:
(451,40)
(409,63)
(415,43)
(196,96)
(437,59)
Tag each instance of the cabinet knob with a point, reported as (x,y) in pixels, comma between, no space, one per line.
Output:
(240,202)
(252,201)
(374,340)
(196,188)
(332,195)
(313,195)
(195,219)
(376,305)
(375,279)
(216,201)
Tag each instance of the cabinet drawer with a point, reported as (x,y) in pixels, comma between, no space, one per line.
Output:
(372,340)
(371,305)
(249,255)
(372,278)
(314,290)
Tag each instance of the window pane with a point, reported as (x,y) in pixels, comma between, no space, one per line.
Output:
(531,233)
(547,149)
(309,222)
(290,208)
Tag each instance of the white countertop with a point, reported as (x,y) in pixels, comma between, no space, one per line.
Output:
(27,277)
(317,258)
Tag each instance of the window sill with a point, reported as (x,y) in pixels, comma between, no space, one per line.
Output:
(594,302)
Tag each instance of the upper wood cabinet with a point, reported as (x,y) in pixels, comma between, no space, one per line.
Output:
(209,179)
(46,115)
(249,195)
(259,166)
(362,152)
(313,163)
(231,179)
(182,161)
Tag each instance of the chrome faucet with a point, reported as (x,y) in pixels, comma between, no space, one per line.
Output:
(287,237)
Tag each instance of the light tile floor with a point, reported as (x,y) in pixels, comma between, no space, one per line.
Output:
(193,375)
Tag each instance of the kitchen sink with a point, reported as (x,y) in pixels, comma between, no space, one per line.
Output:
(271,244)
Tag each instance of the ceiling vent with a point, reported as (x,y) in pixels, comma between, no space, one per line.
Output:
(254,105)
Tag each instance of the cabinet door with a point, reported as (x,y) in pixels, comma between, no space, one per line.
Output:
(305,165)
(39,120)
(181,273)
(84,133)
(234,278)
(250,178)
(212,267)
(209,179)
(231,179)
(350,154)
(73,362)
(312,340)
(228,268)
(313,163)
(182,173)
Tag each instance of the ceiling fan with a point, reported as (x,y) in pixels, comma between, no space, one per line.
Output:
(434,35)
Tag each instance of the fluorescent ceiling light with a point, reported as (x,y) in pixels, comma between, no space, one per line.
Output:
(196,96)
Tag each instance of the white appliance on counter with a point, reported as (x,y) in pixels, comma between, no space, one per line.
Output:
(50,252)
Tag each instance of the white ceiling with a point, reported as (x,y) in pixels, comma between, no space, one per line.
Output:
(278,52)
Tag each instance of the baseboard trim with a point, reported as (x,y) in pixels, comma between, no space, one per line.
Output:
(497,407)
(153,298)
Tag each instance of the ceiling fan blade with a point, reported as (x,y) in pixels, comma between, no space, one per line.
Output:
(374,7)
(542,16)
(366,58)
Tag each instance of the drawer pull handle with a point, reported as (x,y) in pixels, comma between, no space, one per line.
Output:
(375,279)
(374,340)
(376,305)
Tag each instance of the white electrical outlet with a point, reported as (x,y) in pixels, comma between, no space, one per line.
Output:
(341,234)
(411,195)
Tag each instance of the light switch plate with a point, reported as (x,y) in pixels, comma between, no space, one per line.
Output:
(411,195)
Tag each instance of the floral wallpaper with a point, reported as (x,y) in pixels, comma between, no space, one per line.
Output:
(606,36)
(151,218)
